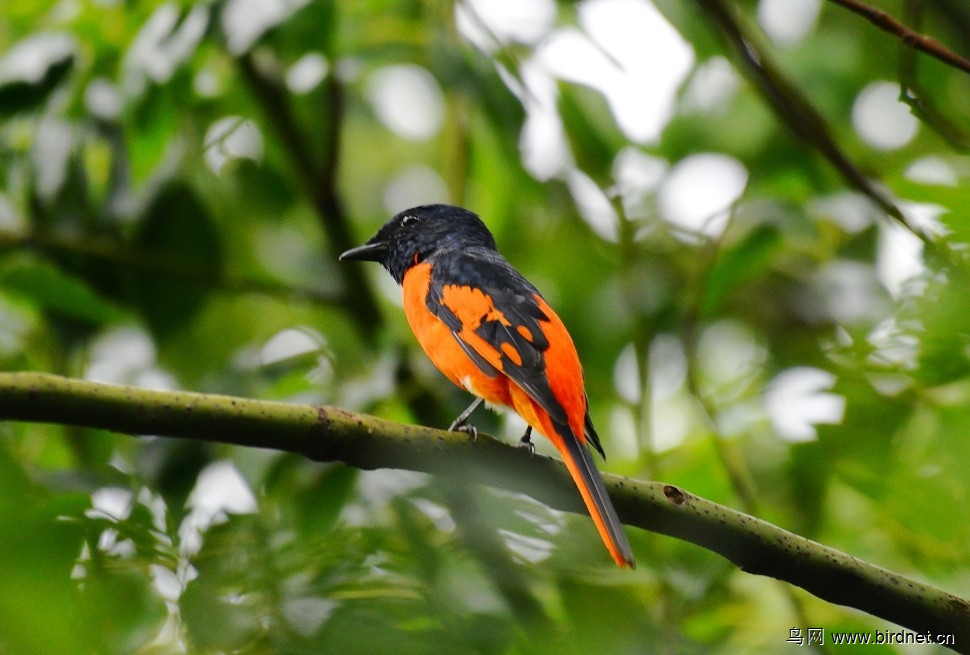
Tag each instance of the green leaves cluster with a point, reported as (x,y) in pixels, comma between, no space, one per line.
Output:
(140,244)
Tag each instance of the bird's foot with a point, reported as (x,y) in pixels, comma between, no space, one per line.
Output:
(459,425)
(467,428)
(526,442)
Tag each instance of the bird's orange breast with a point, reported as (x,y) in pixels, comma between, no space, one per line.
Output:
(441,346)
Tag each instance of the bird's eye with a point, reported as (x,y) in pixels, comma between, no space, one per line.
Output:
(409,220)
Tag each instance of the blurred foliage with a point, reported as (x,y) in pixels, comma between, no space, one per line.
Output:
(178,179)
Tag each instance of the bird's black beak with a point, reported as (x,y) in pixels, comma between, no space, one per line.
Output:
(369,252)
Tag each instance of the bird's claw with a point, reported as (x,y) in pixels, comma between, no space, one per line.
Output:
(526,442)
(467,428)
(459,424)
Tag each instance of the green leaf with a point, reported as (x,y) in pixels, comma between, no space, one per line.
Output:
(739,264)
(944,310)
(593,136)
(178,233)
(57,292)
(322,501)
(233,560)
(29,91)
(954,199)
(212,622)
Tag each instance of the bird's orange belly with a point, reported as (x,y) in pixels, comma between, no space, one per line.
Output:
(442,348)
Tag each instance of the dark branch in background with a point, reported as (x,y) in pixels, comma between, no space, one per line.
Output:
(795,110)
(323,183)
(328,434)
(911,38)
(319,180)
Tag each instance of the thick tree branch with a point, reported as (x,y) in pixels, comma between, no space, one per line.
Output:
(330,434)
(909,37)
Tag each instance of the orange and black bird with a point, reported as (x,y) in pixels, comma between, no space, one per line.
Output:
(489,330)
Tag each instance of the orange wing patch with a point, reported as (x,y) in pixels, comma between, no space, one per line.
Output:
(512,353)
(474,307)
(471,306)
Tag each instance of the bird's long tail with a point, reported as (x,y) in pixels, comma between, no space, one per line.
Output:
(579,462)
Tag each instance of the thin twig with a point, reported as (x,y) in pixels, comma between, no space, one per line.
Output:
(733,465)
(911,38)
(630,256)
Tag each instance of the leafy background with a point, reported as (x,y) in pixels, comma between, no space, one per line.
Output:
(178,179)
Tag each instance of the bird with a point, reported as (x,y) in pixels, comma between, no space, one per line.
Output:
(490,331)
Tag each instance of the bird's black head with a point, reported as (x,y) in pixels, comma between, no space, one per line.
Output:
(419,233)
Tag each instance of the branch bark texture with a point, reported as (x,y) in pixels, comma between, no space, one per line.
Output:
(329,434)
